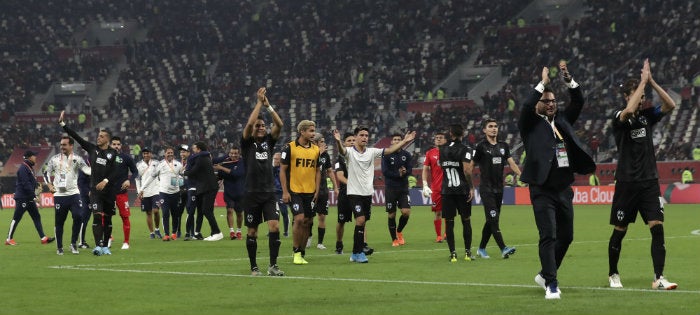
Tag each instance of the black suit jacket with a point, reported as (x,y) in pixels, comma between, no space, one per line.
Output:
(539,141)
(200,173)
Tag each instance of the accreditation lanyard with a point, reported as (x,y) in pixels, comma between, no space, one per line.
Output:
(560,148)
(62,171)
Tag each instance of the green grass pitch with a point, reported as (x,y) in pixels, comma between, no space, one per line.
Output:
(177,277)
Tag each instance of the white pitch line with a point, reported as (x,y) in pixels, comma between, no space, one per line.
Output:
(411,282)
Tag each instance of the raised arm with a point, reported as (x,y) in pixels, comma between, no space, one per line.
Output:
(339,144)
(250,125)
(667,103)
(397,146)
(636,98)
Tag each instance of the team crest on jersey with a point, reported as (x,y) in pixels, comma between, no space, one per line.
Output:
(502,150)
(323,160)
(109,156)
(642,120)
(620,215)
(403,158)
(264,146)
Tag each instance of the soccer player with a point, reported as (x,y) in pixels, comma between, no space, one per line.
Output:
(102,160)
(554,154)
(360,161)
(26,199)
(231,170)
(396,167)
(457,190)
(281,206)
(300,177)
(344,209)
(321,206)
(149,195)
(61,177)
(490,155)
(257,148)
(432,170)
(124,164)
(637,179)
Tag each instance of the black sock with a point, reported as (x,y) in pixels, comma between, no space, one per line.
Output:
(614,249)
(658,249)
(449,232)
(251,244)
(485,235)
(358,239)
(274,246)
(321,234)
(391,222)
(403,220)
(467,234)
(339,245)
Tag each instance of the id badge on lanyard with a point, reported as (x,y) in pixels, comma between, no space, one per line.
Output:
(562,156)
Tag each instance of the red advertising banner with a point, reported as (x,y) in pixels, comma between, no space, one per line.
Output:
(599,195)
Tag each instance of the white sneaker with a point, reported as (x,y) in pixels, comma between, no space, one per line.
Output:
(125,246)
(321,246)
(663,284)
(552,293)
(214,237)
(540,281)
(615,281)
(308,242)
(109,243)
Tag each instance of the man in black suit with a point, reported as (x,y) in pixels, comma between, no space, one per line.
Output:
(200,171)
(554,154)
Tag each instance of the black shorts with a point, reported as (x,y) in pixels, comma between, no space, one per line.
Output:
(149,203)
(302,204)
(396,198)
(233,203)
(260,207)
(360,206)
(103,203)
(456,204)
(322,203)
(492,205)
(633,197)
(344,208)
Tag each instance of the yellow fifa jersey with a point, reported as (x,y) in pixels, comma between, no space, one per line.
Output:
(303,164)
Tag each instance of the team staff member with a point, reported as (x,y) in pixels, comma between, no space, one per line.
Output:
(300,176)
(636,176)
(200,171)
(554,154)
(490,155)
(231,170)
(61,177)
(396,167)
(258,147)
(281,206)
(148,194)
(432,170)
(125,164)
(26,199)
(344,209)
(102,160)
(168,177)
(187,197)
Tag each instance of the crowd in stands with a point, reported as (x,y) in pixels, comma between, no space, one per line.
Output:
(342,62)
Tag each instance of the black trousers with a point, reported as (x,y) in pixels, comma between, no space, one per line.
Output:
(554,216)
(205,204)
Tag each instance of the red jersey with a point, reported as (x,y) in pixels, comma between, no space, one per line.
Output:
(432,159)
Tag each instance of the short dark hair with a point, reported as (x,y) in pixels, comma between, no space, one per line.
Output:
(109,133)
(488,121)
(629,87)
(547,89)
(348,135)
(116,138)
(456,130)
(70,140)
(360,128)
(396,134)
(201,145)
